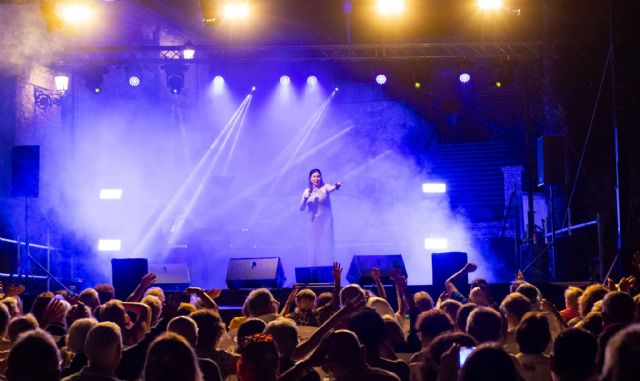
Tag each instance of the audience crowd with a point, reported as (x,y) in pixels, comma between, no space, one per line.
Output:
(350,334)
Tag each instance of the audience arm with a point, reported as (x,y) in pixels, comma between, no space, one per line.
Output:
(375,275)
(449,284)
(146,282)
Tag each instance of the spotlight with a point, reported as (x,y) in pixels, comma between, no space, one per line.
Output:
(134,74)
(218,81)
(490,5)
(381,79)
(109,245)
(417,85)
(336,89)
(253,88)
(62,83)
(312,80)
(435,243)
(188,52)
(390,7)
(76,12)
(236,10)
(175,77)
(285,80)
(93,78)
(498,84)
(464,77)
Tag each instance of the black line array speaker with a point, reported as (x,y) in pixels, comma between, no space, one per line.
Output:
(25,171)
(443,265)
(550,160)
(360,268)
(126,275)
(255,273)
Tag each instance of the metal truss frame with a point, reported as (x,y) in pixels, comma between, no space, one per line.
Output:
(423,51)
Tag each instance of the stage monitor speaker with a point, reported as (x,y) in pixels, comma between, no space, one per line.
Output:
(317,274)
(25,171)
(360,268)
(126,275)
(172,277)
(443,265)
(550,160)
(255,273)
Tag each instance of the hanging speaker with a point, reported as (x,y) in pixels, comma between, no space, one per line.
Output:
(25,171)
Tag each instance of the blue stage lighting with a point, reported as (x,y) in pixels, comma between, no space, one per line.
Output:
(134,80)
(312,80)
(285,80)
(465,77)
(218,80)
(381,79)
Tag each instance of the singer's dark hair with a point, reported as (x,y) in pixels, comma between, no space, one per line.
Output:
(315,170)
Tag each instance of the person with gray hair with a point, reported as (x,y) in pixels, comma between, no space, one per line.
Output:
(76,338)
(187,328)
(285,335)
(622,354)
(103,348)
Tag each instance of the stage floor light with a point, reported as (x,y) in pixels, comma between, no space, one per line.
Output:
(464,77)
(381,79)
(312,80)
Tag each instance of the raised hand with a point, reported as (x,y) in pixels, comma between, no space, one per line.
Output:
(214,293)
(54,312)
(627,283)
(292,295)
(337,271)
(471,267)
(375,274)
(147,280)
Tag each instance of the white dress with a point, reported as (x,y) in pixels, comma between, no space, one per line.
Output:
(320,244)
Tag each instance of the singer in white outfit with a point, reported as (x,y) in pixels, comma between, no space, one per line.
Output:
(315,198)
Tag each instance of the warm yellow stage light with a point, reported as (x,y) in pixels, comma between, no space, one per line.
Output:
(75,12)
(390,7)
(490,5)
(236,10)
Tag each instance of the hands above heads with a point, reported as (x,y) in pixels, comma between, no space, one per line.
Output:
(54,312)
(337,271)
(148,280)
(375,274)
(471,267)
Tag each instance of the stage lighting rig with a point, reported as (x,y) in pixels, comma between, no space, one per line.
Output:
(390,7)
(175,77)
